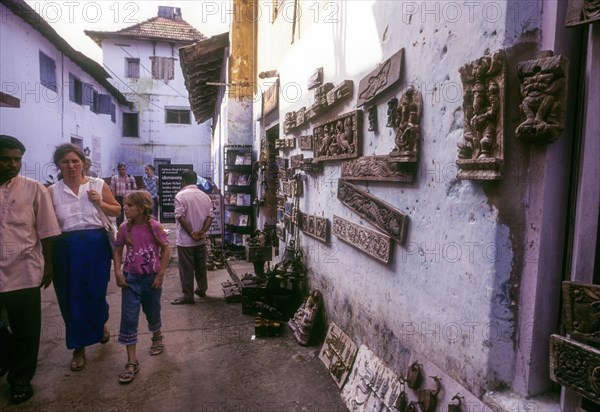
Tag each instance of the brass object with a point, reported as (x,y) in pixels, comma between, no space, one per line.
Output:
(406,149)
(376,168)
(455,407)
(366,240)
(381,78)
(414,377)
(412,407)
(481,156)
(575,366)
(544,92)
(402,400)
(582,12)
(582,311)
(428,397)
(383,215)
(338,138)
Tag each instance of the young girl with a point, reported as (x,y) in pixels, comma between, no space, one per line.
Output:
(141,277)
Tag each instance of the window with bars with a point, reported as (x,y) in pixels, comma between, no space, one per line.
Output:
(163,68)
(130,125)
(177,115)
(47,71)
(75,89)
(132,68)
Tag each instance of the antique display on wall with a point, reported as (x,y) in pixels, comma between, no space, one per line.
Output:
(544,93)
(378,168)
(392,112)
(306,142)
(320,103)
(376,211)
(285,143)
(340,92)
(281,162)
(296,161)
(408,120)
(575,366)
(316,79)
(372,117)
(314,226)
(292,187)
(366,240)
(309,165)
(481,156)
(372,386)
(304,318)
(338,138)
(582,12)
(385,75)
(289,122)
(581,304)
(337,353)
(270,98)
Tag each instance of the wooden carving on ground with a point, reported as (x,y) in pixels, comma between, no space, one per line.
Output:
(582,12)
(481,156)
(304,319)
(378,168)
(406,149)
(381,214)
(338,138)
(575,366)
(384,76)
(544,92)
(581,310)
(315,226)
(306,142)
(338,353)
(366,240)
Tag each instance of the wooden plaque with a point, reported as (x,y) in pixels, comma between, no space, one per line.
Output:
(582,12)
(384,76)
(270,98)
(306,142)
(338,138)
(582,311)
(378,168)
(337,353)
(366,240)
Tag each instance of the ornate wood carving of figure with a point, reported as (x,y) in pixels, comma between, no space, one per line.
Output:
(303,321)
(392,112)
(381,214)
(372,116)
(306,142)
(338,138)
(544,92)
(289,122)
(581,310)
(384,76)
(582,12)
(406,149)
(377,168)
(368,241)
(481,156)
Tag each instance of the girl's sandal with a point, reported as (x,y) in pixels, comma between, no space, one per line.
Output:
(156,348)
(128,374)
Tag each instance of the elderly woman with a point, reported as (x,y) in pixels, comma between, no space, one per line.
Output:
(82,258)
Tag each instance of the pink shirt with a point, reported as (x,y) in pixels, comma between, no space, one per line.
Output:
(196,206)
(26,217)
(144,256)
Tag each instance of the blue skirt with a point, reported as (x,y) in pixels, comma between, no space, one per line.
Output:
(82,261)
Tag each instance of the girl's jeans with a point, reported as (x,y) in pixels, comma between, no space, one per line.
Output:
(139,293)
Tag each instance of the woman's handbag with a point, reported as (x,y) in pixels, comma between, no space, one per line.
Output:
(111,229)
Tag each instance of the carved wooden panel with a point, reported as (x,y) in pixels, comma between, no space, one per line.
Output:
(338,138)
(582,311)
(300,117)
(338,353)
(306,142)
(544,92)
(285,143)
(309,165)
(270,98)
(582,12)
(408,120)
(289,122)
(378,168)
(296,161)
(576,366)
(340,92)
(392,112)
(481,156)
(316,79)
(282,162)
(384,76)
(315,226)
(366,240)
(381,214)
(372,118)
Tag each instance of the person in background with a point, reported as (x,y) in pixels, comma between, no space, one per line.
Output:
(87,165)
(194,215)
(151,186)
(120,184)
(29,227)
(82,257)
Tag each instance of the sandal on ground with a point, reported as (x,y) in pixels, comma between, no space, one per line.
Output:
(20,393)
(78,362)
(105,335)
(157,348)
(128,374)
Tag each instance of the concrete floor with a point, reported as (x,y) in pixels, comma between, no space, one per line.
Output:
(210,363)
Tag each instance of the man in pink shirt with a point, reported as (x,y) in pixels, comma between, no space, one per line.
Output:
(27,228)
(194,215)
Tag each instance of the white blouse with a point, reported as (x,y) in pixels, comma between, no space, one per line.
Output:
(76,212)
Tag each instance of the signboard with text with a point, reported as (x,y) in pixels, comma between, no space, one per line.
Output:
(216,228)
(169,180)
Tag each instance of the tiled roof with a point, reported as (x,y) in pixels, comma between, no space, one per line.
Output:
(156,28)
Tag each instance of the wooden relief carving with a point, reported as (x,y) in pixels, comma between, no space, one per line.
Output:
(270,98)
(300,117)
(281,162)
(285,143)
(337,353)
(544,92)
(575,366)
(582,12)
(481,156)
(406,149)
(582,311)
(306,142)
(290,122)
(379,168)
(309,165)
(316,79)
(340,92)
(338,138)
(320,103)
(296,161)
(314,226)
(366,240)
(392,112)
(292,187)
(381,214)
(384,76)
(372,116)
